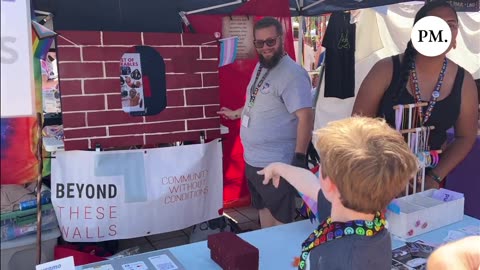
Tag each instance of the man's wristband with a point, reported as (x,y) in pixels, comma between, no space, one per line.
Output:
(435,177)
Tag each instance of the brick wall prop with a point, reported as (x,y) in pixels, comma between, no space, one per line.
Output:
(90,88)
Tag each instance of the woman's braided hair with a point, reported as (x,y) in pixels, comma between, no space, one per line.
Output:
(410,52)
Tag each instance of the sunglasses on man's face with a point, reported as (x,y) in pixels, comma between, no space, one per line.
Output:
(269,41)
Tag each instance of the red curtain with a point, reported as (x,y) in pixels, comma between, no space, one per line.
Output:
(233,81)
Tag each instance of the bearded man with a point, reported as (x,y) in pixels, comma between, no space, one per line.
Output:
(277,122)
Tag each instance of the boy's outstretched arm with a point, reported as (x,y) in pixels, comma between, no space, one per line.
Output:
(301,179)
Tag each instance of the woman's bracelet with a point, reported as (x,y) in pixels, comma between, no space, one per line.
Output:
(435,177)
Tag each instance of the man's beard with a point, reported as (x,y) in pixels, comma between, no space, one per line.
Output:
(272,62)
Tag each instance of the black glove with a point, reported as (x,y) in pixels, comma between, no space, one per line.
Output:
(299,160)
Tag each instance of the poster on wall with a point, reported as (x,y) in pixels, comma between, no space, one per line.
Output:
(101,196)
(131,83)
(17,92)
(242,27)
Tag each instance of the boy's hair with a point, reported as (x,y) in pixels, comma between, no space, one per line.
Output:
(367,160)
(267,22)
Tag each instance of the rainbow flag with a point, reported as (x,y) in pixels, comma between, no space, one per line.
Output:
(40,46)
(228,50)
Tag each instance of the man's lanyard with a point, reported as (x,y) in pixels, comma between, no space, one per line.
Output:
(253,94)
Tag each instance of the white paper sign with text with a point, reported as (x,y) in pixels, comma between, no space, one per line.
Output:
(17,92)
(60,264)
(100,196)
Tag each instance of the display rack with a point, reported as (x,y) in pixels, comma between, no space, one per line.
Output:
(417,136)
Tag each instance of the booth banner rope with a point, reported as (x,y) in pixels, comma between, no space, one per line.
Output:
(101,196)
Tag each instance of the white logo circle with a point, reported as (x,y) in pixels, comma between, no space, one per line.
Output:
(431,36)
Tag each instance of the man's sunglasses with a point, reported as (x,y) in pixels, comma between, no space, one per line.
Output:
(269,41)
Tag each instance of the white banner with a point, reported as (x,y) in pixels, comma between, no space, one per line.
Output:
(17,94)
(100,196)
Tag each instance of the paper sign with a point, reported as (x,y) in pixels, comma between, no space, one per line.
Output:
(101,267)
(62,264)
(446,195)
(135,266)
(131,83)
(17,91)
(471,230)
(163,262)
(241,27)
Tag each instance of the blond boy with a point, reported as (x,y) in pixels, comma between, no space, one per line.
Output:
(365,164)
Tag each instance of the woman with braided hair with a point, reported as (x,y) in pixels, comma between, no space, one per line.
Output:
(411,78)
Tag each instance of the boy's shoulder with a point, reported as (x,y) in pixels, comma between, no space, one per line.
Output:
(354,252)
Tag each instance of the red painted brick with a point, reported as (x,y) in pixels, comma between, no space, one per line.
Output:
(209,52)
(161,39)
(117,141)
(84,103)
(85,132)
(175,98)
(76,144)
(186,53)
(71,120)
(213,134)
(210,79)
(122,38)
(180,64)
(69,54)
(70,87)
(164,127)
(197,39)
(172,137)
(147,128)
(204,65)
(103,53)
(211,111)
(101,86)
(79,38)
(176,113)
(203,124)
(111,118)
(112,70)
(203,96)
(80,70)
(176,81)
(114,101)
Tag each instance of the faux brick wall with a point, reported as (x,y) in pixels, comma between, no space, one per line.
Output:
(90,87)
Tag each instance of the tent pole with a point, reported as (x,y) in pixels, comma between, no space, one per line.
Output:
(300,36)
(214,7)
(300,41)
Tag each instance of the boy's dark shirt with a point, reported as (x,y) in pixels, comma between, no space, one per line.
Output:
(351,252)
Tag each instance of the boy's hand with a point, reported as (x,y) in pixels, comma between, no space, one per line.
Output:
(271,172)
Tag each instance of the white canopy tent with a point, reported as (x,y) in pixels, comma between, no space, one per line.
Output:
(385,31)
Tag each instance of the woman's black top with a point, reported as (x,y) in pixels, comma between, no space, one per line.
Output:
(443,116)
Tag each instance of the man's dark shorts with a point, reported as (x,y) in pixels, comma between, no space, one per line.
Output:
(280,201)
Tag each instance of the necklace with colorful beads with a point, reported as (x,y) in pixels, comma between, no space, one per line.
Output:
(329,230)
(435,94)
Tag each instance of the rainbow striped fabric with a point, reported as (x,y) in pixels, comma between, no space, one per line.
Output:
(228,51)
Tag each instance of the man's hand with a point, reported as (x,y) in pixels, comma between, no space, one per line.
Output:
(271,172)
(300,160)
(227,113)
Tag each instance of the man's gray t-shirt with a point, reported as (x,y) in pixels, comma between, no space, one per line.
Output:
(350,252)
(272,128)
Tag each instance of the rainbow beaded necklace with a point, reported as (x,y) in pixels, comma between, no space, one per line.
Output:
(328,231)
